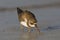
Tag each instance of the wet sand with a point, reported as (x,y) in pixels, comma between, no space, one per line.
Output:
(48,22)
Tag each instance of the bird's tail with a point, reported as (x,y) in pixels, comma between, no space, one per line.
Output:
(19,10)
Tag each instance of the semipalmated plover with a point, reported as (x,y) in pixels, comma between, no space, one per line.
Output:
(27,19)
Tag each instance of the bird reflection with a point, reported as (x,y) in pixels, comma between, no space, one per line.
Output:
(28,36)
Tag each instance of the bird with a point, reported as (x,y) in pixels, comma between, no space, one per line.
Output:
(27,18)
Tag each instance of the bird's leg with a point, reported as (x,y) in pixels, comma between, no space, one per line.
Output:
(28,27)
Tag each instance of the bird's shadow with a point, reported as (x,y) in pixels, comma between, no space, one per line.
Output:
(50,28)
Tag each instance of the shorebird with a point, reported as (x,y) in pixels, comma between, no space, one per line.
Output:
(27,19)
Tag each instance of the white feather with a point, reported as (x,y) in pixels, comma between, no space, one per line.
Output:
(24,23)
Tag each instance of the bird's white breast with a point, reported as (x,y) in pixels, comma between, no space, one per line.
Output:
(24,23)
